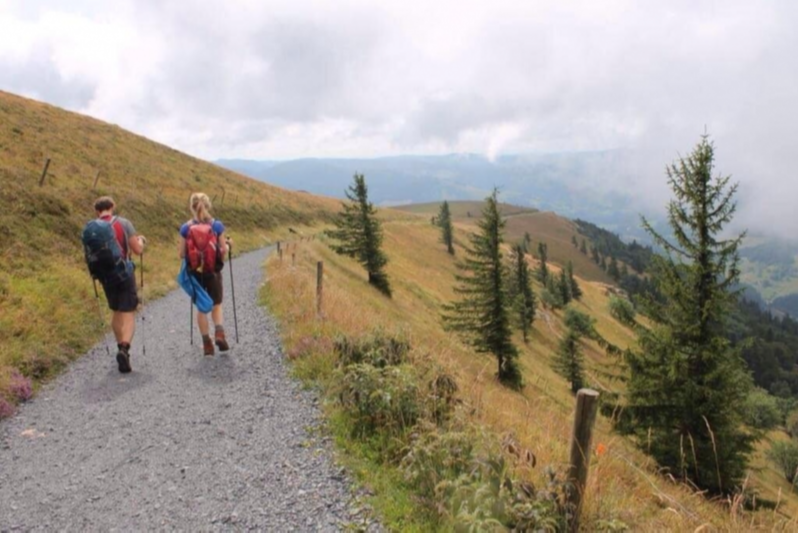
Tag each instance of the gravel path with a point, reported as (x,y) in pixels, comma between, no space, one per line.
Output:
(184,442)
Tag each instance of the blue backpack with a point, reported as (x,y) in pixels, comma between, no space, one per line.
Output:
(103,254)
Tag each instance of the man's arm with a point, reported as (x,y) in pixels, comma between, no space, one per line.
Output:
(135,242)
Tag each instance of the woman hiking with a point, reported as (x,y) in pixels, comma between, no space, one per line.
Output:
(203,248)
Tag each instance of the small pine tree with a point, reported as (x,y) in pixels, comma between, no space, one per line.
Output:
(625,272)
(595,255)
(583,249)
(603,263)
(687,384)
(569,360)
(613,269)
(543,271)
(521,292)
(564,287)
(574,241)
(481,315)
(360,236)
(445,222)
(554,296)
(576,292)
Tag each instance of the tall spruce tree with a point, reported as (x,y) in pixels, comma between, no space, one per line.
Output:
(595,255)
(576,292)
(445,222)
(564,287)
(359,234)
(574,241)
(687,384)
(543,272)
(482,314)
(583,249)
(521,291)
(569,360)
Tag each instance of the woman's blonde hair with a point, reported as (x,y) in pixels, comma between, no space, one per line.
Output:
(200,206)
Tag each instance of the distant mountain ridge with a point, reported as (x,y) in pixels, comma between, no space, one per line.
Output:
(552,182)
(572,184)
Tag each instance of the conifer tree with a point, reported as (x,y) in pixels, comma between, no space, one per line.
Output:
(359,234)
(554,296)
(564,287)
(574,241)
(481,315)
(624,271)
(576,292)
(569,360)
(583,249)
(613,269)
(687,384)
(543,271)
(521,291)
(527,242)
(445,222)
(595,255)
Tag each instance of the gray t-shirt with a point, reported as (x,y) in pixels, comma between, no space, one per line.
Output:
(128,231)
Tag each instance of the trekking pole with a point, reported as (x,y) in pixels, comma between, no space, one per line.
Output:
(232,288)
(100,313)
(143,329)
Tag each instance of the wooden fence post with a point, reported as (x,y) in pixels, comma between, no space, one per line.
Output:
(96,179)
(320,276)
(584,417)
(44,172)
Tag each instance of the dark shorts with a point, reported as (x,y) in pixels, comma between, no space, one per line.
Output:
(122,297)
(212,283)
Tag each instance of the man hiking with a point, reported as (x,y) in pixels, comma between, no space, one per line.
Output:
(203,248)
(109,243)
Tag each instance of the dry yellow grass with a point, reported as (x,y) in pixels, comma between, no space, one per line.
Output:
(623,483)
(49,315)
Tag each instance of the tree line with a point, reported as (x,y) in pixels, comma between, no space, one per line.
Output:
(687,379)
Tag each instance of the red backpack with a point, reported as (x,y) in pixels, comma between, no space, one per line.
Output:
(202,247)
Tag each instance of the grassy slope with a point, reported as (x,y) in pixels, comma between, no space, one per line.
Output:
(48,310)
(547,227)
(623,484)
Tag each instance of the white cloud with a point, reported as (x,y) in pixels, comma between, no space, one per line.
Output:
(283,79)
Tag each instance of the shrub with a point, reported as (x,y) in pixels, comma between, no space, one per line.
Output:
(377,349)
(784,455)
(20,387)
(550,300)
(761,410)
(790,424)
(622,310)
(379,399)
(475,491)
(579,322)
(7,408)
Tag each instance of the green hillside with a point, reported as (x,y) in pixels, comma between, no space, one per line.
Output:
(49,313)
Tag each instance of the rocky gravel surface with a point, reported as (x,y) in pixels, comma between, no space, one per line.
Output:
(185,442)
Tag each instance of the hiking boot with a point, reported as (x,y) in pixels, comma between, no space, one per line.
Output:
(123,359)
(219,338)
(208,345)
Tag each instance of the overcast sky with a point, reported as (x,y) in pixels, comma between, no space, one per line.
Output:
(279,80)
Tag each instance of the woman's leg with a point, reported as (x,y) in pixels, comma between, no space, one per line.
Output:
(216,315)
(202,322)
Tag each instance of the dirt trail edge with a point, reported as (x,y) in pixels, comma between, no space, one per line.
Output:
(184,442)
